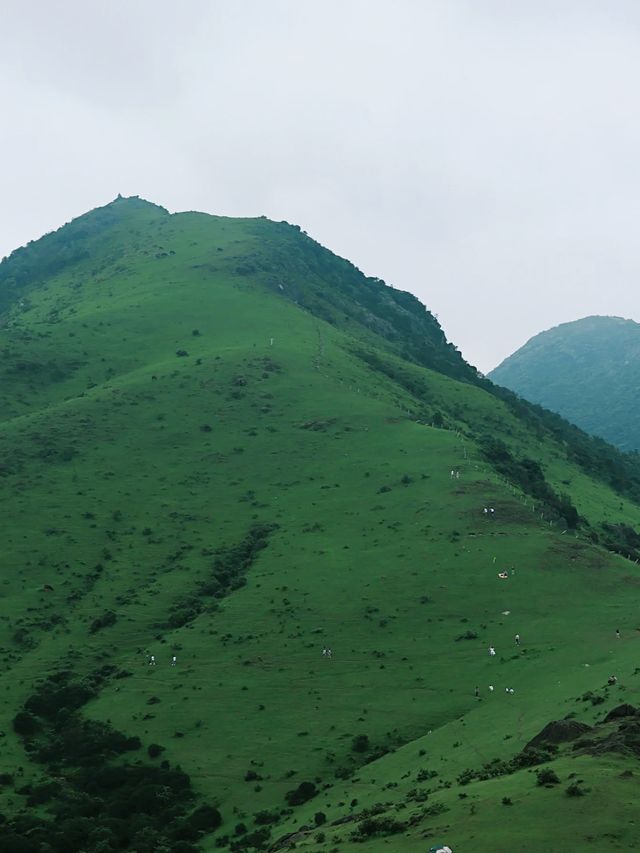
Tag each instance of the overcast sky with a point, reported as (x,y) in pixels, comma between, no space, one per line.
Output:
(483,155)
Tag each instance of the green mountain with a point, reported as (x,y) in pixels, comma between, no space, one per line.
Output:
(588,371)
(225,452)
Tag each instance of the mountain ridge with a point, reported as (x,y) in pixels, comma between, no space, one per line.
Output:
(353,302)
(198,465)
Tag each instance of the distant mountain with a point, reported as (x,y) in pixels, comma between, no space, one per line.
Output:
(588,371)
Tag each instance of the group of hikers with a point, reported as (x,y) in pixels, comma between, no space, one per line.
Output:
(504,575)
(492,653)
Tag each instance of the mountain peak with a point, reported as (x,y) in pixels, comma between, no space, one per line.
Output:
(584,371)
(133,201)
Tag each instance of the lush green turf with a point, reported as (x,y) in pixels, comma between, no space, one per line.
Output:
(127,466)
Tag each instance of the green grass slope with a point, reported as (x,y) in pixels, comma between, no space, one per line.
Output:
(206,455)
(587,371)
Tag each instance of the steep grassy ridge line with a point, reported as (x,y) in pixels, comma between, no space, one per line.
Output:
(277,489)
(141,247)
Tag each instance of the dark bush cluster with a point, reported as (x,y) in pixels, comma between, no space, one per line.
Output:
(547,777)
(105,621)
(93,804)
(231,564)
(528,475)
(302,794)
(360,743)
(620,538)
(529,757)
(377,826)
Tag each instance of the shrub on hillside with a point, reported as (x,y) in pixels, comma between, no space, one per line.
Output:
(424,775)
(373,826)
(25,724)
(360,743)
(105,621)
(468,635)
(265,817)
(79,742)
(205,819)
(622,539)
(57,692)
(252,776)
(252,841)
(547,777)
(304,792)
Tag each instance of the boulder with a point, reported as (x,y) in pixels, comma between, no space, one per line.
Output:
(558,731)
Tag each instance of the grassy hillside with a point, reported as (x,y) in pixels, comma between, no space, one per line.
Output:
(587,371)
(208,454)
